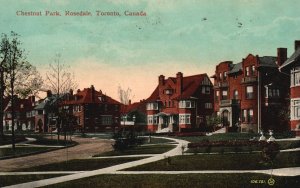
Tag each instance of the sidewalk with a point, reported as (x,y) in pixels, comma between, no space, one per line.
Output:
(27,141)
(112,169)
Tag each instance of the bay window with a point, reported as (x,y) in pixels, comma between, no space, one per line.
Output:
(186,104)
(295,109)
(295,77)
(152,106)
(184,118)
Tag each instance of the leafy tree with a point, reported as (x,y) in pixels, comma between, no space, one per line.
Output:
(18,76)
(213,121)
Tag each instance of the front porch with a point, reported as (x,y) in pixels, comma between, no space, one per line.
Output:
(167,122)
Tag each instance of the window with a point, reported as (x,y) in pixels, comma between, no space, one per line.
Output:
(186,104)
(272,93)
(225,75)
(152,120)
(249,92)
(250,115)
(295,109)
(295,76)
(106,120)
(253,69)
(152,106)
(220,76)
(224,95)
(208,105)
(247,115)
(205,90)
(169,91)
(184,118)
(247,71)
(235,94)
(244,115)
(22,106)
(217,95)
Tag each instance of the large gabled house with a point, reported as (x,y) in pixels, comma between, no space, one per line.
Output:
(251,94)
(93,110)
(292,67)
(180,103)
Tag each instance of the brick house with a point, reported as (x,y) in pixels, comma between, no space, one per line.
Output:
(180,103)
(94,110)
(46,113)
(24,113)
(292,67)
(250,94)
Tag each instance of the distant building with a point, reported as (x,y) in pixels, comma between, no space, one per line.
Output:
(46,113)
(180,103)
(93,110)
(24,113)
(250,95)
(134,114)
(292,67)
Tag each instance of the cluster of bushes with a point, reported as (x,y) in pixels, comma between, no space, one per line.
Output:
(125,140)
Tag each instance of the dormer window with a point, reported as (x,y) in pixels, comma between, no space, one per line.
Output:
(168,91)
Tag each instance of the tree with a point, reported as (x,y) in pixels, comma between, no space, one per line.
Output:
(59,78)
(125,95)
(213,121)
(18,77)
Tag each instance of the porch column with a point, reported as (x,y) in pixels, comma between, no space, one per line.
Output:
(171,121)
(160,121)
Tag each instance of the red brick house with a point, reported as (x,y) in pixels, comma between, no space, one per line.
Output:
(180,103)
(250,94)
(94,110)
(292,67)
(24,113)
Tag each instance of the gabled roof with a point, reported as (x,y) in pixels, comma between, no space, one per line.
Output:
(293,59)
(137,106)
(86,96)
(267,61)
(48,102)
(236,68)
(189,87)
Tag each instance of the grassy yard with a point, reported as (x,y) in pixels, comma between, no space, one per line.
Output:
(151,149)
(232,136)
(220,162)
(17,179)
(158,140)
(20,151)
(182,180)
(80,164)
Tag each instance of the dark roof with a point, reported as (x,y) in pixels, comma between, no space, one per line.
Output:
(137,106)
(47,102)
(236,68)
(86,96)
(294,57)
(189,87)
(267,61)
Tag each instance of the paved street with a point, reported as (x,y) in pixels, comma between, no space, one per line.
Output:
(85,149)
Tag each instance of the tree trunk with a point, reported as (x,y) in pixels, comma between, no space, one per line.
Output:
(1,105)
(12,113)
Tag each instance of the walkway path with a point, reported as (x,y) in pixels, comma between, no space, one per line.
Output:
(85,149)
(112,169)
(27,141)
(116,169)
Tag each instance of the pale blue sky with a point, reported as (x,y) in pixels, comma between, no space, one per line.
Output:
(133,51)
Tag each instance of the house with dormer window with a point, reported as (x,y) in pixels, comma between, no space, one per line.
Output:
(179,103)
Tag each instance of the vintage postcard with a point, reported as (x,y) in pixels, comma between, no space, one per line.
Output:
(149,93)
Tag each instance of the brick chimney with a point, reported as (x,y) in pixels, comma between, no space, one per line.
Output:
(297,44)
(281,56)
(93,92)
(49,93)
(161,80)
(179,82)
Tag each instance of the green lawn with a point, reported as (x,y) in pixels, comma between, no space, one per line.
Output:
(182,180)
(20,151)
(80,164)
(232,136)
(17,179)
(144,149)
(158,140)
(221,162)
